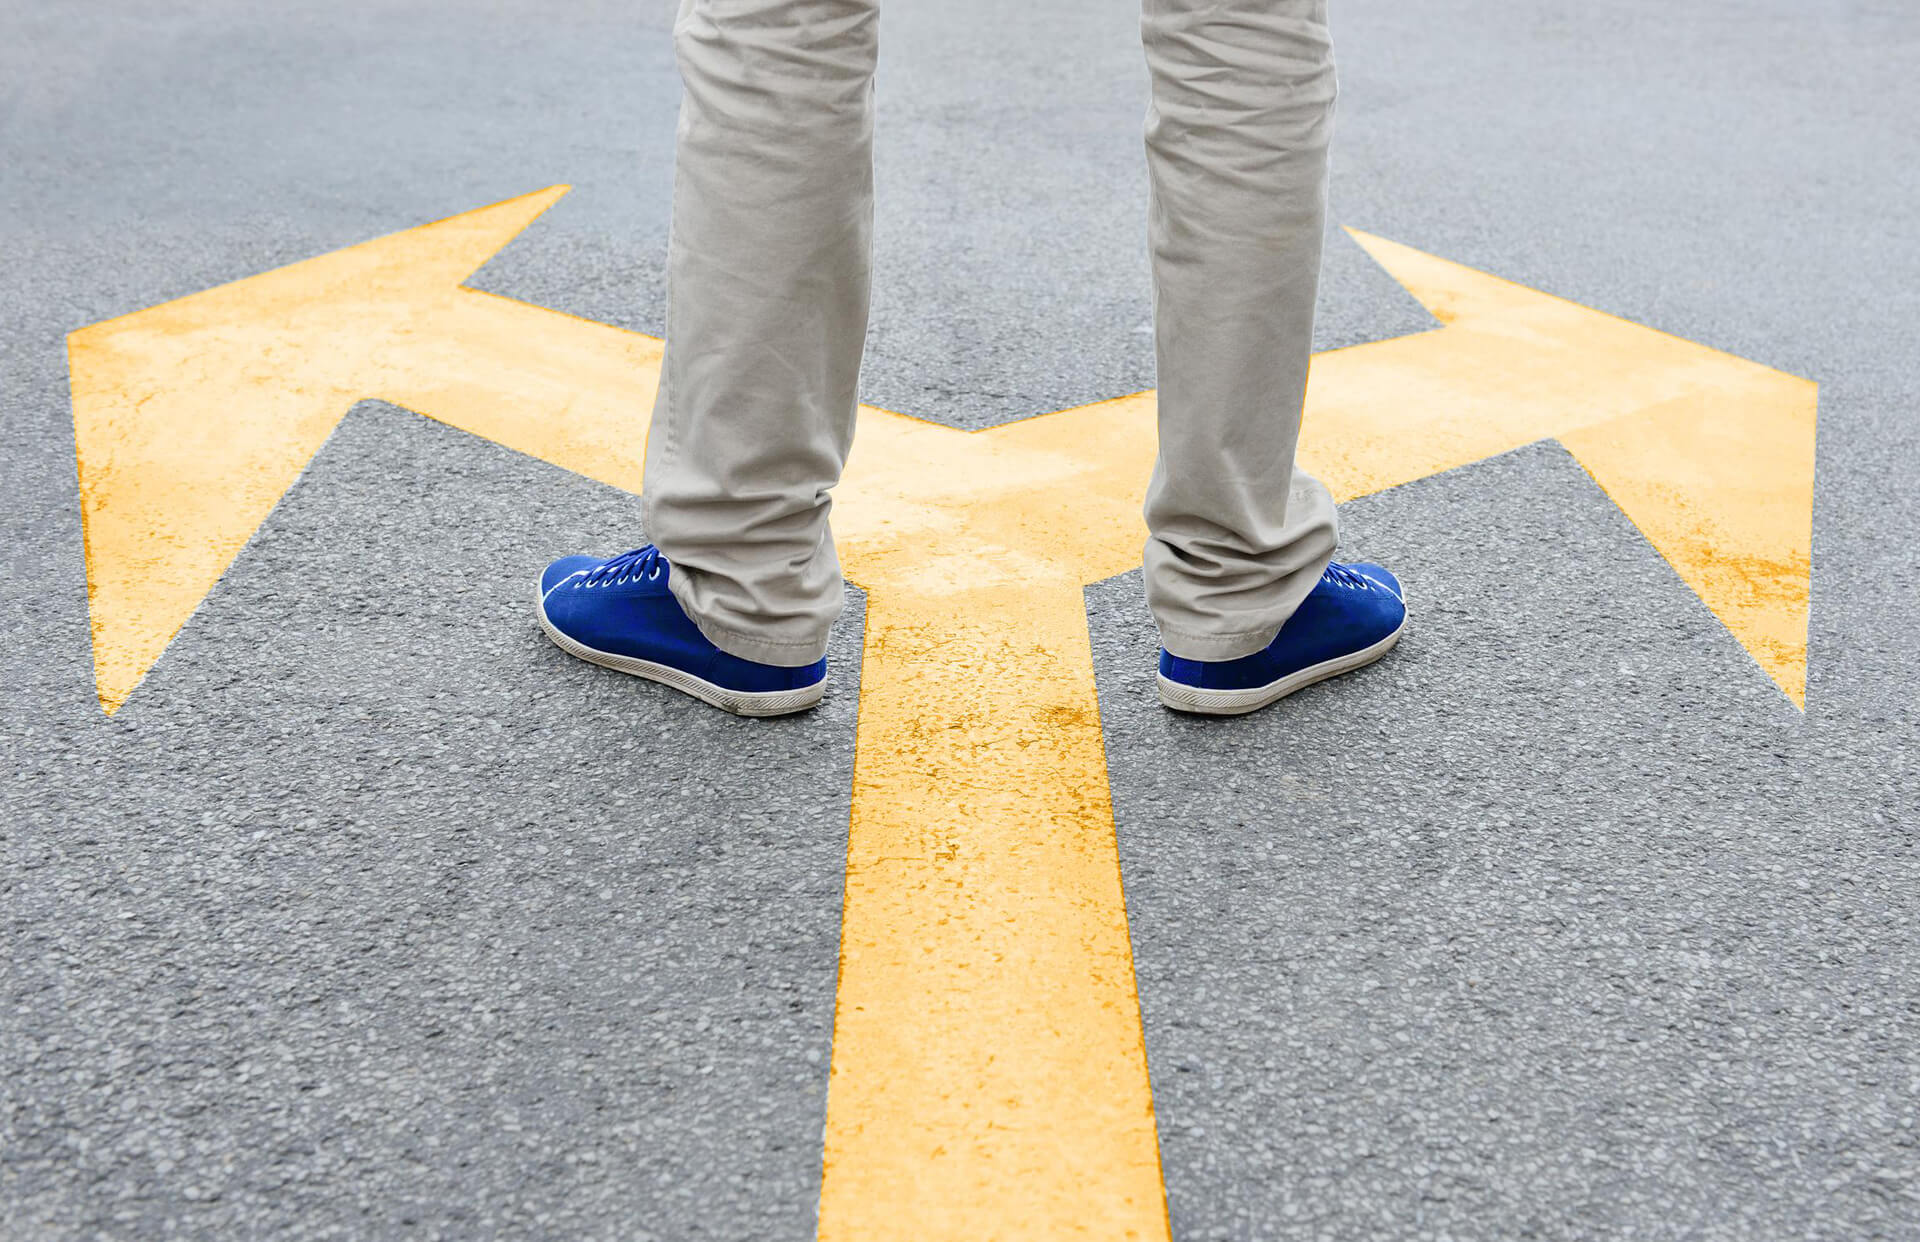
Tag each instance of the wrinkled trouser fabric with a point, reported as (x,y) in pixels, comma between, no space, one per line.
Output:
(768,275)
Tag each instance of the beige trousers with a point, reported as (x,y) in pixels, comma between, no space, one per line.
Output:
(768,274)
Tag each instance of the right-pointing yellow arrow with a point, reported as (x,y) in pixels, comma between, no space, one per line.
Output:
(1709,454)
(989,1077)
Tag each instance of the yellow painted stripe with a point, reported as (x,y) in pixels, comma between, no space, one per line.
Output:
(989,1079)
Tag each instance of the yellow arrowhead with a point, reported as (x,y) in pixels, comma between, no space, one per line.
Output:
(191,419)
(1710,455)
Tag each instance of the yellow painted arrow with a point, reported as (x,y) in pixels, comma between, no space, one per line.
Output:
(1709,454)
(191,419)
(988,1078)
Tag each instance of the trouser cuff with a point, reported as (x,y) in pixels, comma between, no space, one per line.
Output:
(781,653)
(1216,647)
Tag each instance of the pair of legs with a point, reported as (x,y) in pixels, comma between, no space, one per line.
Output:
(767,309)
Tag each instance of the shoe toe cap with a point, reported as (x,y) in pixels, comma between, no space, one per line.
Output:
(565,568)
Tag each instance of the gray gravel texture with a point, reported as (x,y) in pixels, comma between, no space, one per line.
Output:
(373,916)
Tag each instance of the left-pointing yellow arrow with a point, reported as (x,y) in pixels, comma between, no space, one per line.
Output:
(191,419)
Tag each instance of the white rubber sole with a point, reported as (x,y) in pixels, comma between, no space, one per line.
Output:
(1184,698)
(739,702)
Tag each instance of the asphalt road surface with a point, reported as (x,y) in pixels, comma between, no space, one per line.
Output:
(371,915)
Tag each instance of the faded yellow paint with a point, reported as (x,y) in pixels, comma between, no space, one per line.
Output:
(989,1077)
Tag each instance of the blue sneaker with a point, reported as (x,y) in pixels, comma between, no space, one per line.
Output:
(619,614)
(1351,618)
